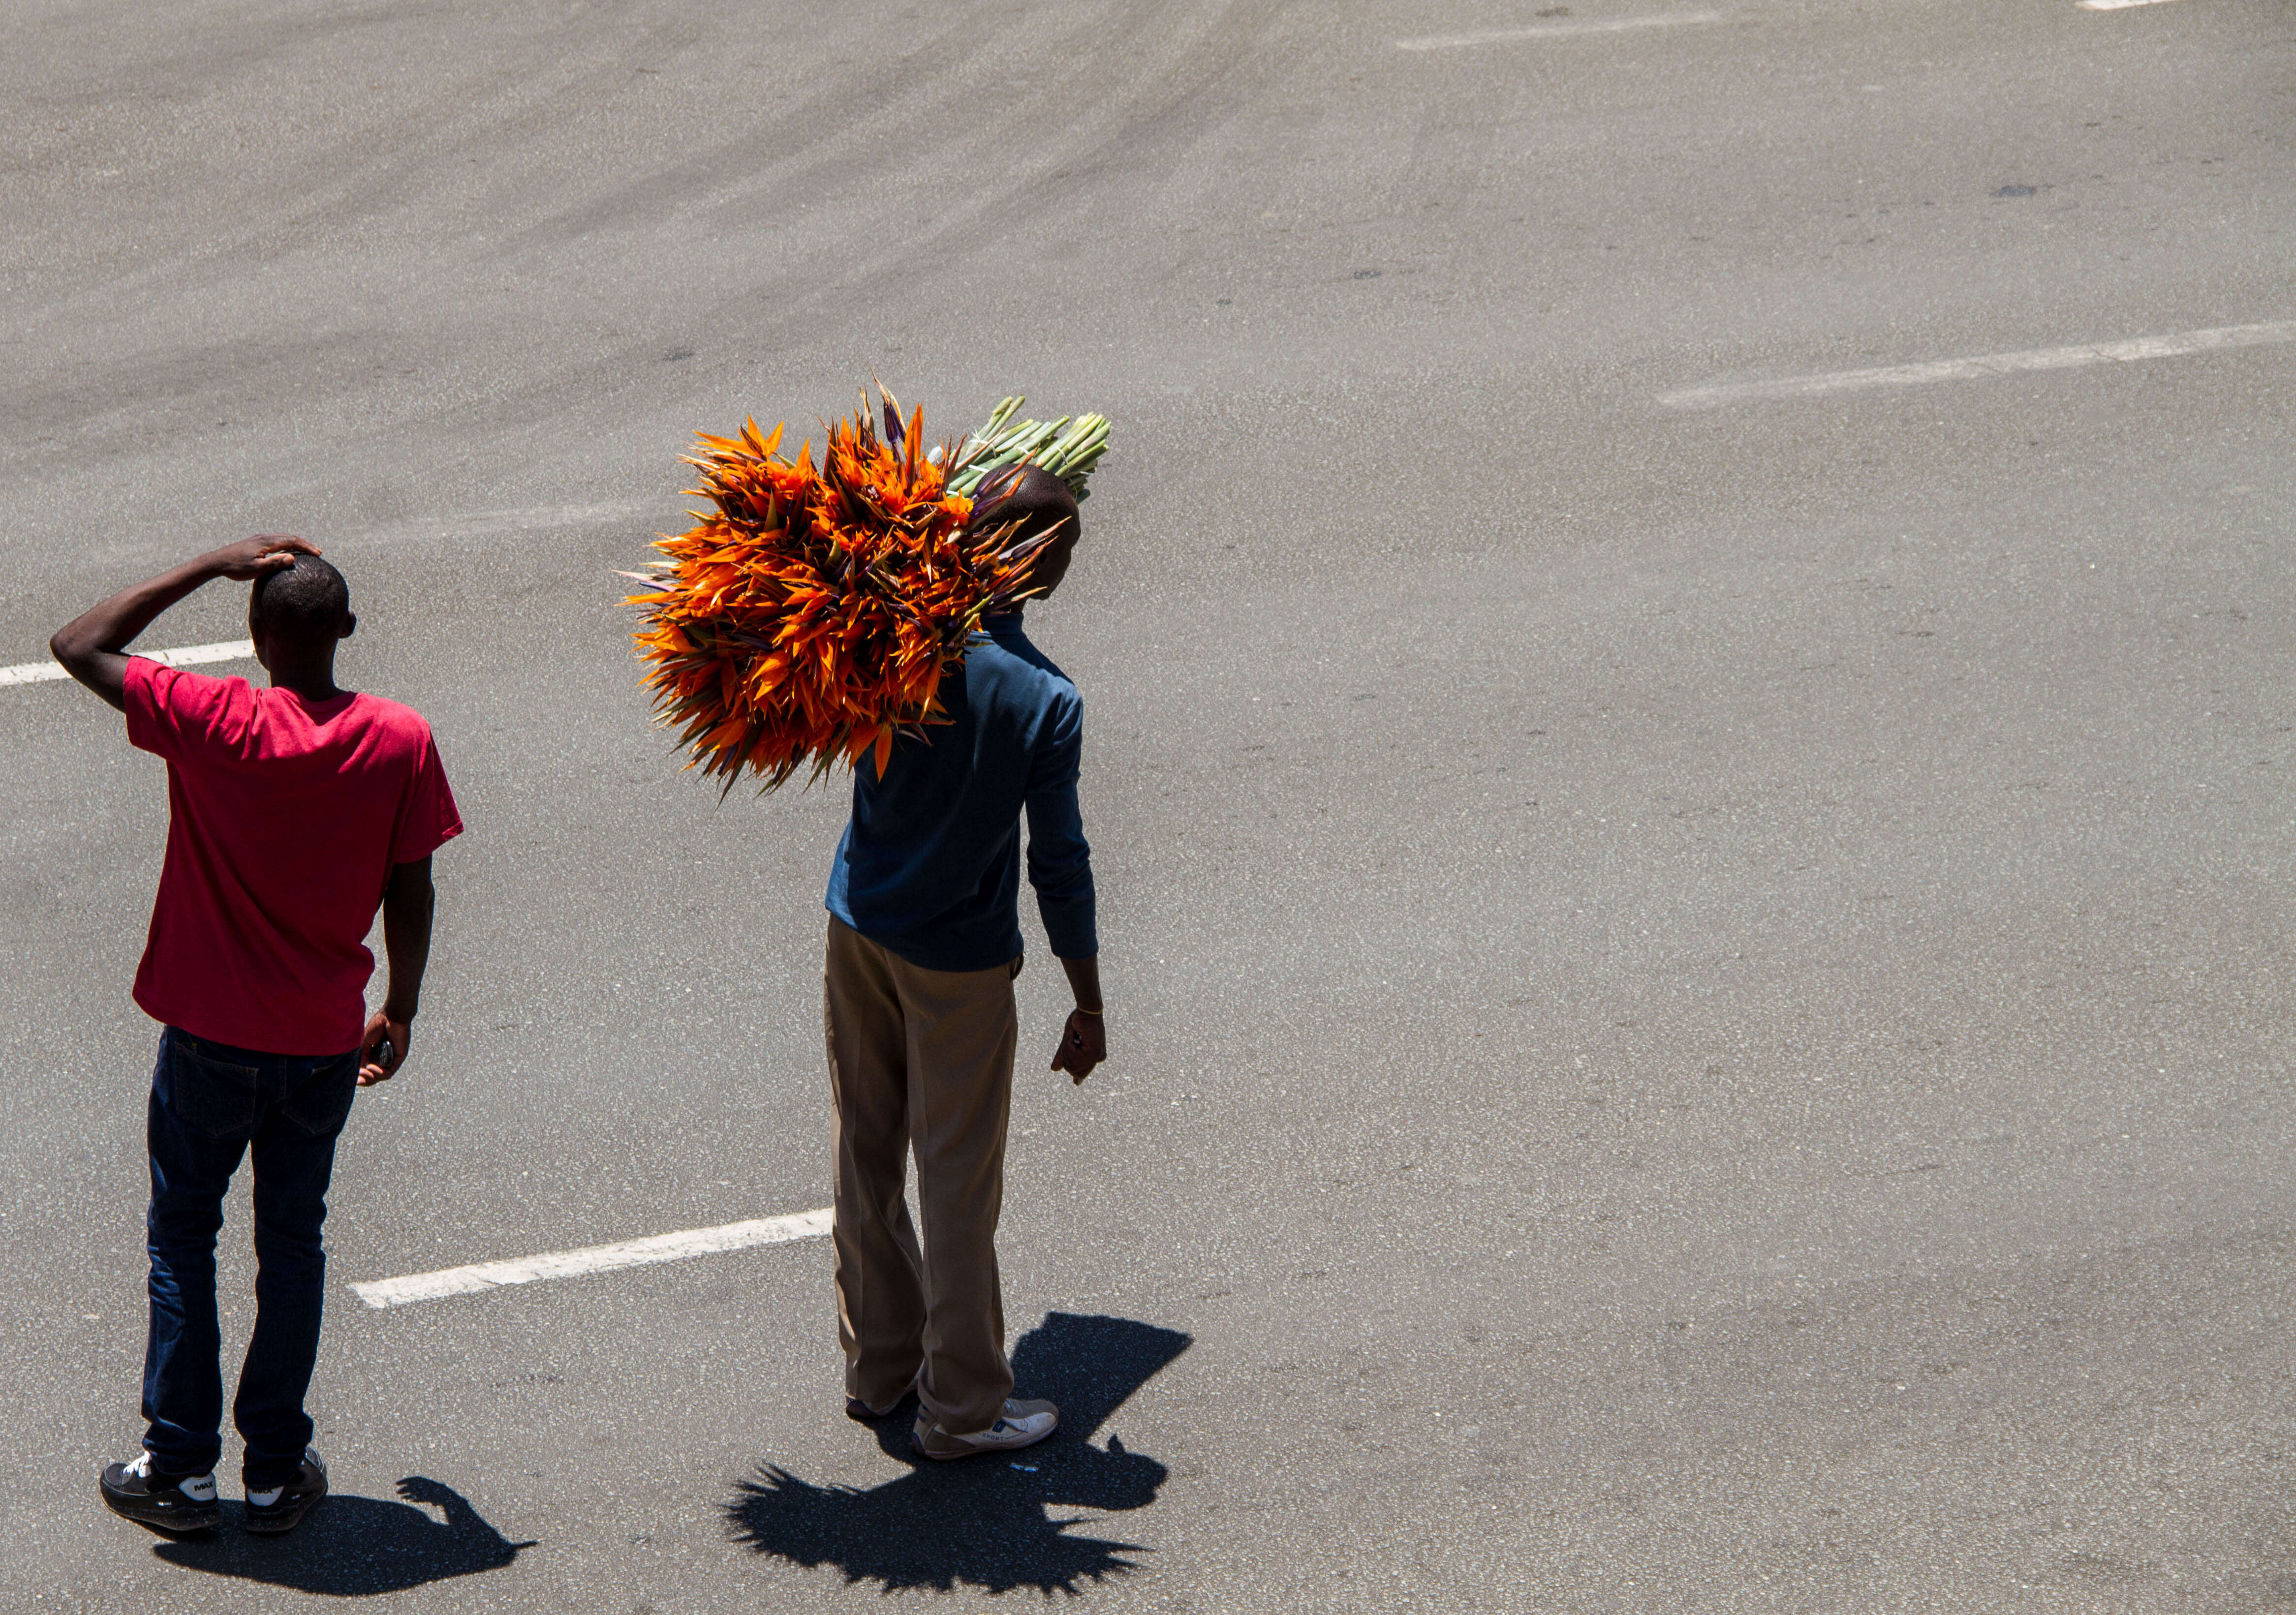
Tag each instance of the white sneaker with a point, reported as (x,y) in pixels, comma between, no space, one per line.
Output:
(1021,1425)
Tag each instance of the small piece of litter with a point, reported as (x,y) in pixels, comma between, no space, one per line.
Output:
(1026,1468)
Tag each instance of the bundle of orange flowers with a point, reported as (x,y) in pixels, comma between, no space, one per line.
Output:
(809,615)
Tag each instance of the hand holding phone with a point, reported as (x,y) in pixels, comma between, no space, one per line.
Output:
(382,1050)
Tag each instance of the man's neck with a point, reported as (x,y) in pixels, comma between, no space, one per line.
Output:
(311,682)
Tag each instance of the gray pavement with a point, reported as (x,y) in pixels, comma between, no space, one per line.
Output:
(1697,995)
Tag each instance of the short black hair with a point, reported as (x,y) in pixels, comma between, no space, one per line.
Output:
(305,602)
(1030,495)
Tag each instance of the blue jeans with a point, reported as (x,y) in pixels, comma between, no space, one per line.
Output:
(209,1103)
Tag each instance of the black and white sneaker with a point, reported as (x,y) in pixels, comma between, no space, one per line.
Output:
(135,1491)
(270,1512)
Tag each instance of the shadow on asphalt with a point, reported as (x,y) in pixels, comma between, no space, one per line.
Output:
(984,1522)
(351,1545)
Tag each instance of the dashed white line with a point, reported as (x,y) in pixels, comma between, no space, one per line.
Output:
(1554,31)
(43,672)
(524,518)
(467,524)
(2173,346)
(2114,6)
(230,650)
(594,1258)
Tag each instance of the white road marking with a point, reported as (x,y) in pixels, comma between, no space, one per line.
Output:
(233,650)
(594,1258)
(1553,31)
(41,672)
(468,524)
(2168,347)
(2114,5)
(525,519)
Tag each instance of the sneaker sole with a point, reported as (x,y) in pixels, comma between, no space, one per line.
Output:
(171,1522)
(286,1518)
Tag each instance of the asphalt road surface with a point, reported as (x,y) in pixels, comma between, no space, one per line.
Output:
(1699,970)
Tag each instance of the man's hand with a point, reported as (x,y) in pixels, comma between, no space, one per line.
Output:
(408,903)
(251,558)
(1084,1040)
(1083,1045)
(379,1026)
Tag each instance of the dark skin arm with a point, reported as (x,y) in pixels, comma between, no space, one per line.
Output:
(408,902)
(93,649)
(93,646)
(1084,1040)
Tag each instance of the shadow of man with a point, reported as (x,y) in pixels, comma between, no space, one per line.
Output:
(349,1546)
(984,1522)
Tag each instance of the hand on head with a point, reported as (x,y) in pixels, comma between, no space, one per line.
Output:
(266,552)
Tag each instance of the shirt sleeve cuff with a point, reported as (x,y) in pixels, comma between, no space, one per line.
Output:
(1069,928)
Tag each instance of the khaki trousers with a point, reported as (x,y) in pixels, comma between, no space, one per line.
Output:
(919,1060)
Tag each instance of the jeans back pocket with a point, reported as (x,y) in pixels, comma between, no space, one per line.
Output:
(318,1105)
(213,1098)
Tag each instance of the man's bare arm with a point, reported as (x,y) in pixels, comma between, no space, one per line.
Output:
(408,903)
(93,646)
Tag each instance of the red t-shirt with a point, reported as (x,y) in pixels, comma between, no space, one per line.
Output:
(284,819)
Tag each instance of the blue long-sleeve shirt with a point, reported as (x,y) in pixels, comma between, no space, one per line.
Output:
(930,865)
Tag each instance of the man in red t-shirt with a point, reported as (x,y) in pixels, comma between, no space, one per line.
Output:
(294,812)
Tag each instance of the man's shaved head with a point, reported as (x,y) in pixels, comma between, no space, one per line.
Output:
(1038,502)
(304,605)
(1029,494)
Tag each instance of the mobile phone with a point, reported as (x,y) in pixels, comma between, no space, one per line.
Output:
(385,1055)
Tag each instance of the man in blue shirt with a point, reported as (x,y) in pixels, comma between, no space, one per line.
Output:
(924,942)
